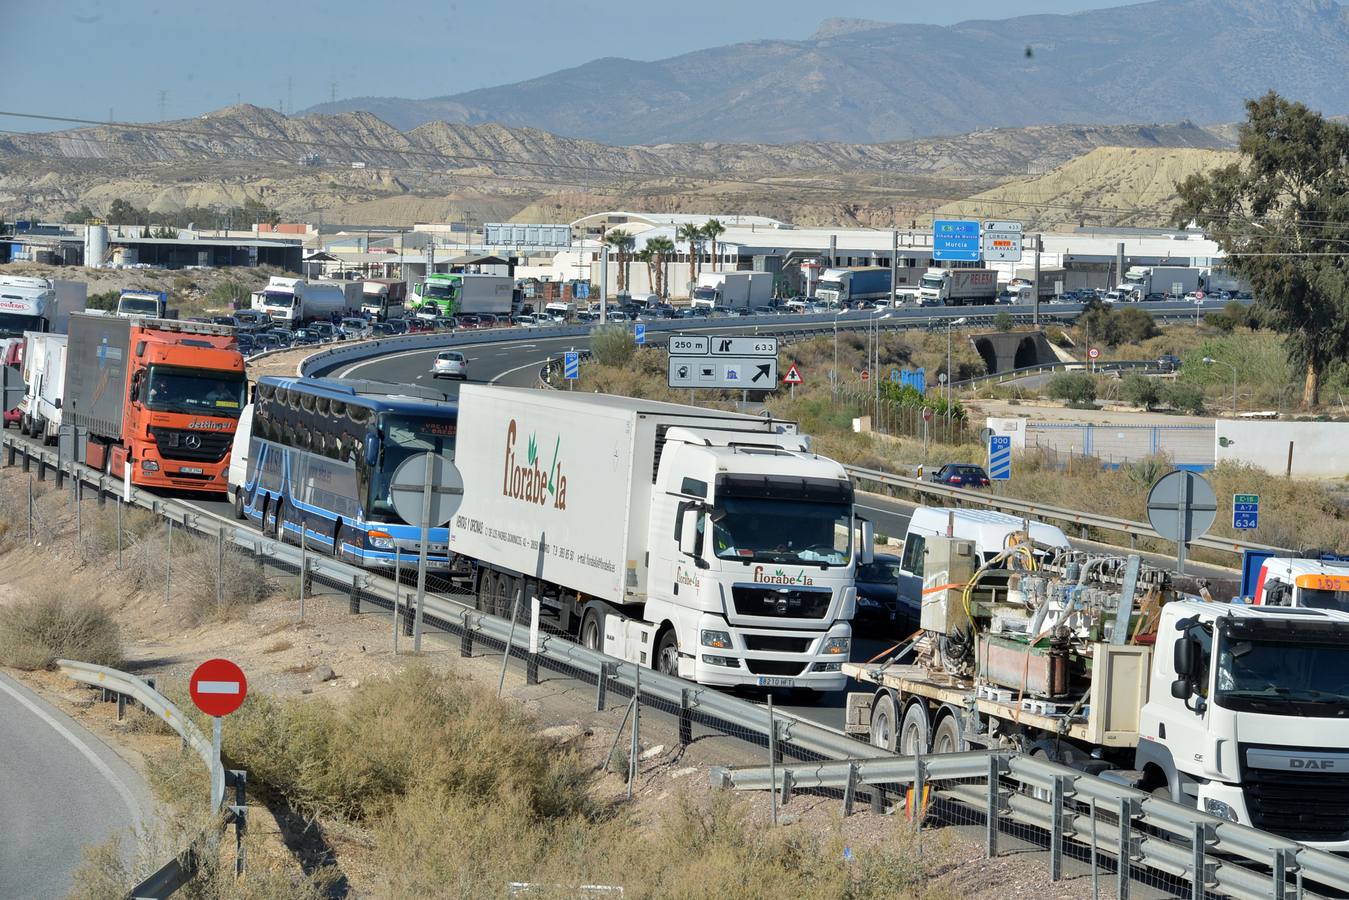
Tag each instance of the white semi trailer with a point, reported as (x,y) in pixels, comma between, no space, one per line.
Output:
(714,546)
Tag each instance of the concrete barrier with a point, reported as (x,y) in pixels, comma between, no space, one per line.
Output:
(1304,449)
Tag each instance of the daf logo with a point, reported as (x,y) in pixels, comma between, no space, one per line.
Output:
(192,441)
(1311,763)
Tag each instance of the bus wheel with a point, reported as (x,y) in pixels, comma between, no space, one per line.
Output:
(239,503)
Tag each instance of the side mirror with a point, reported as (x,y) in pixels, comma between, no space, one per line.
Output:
(371,449)
(688,532)
(1180,689)
(866,542)
(1185,655)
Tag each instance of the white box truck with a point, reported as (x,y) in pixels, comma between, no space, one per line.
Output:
(733,290)
(715,546)
(293,301)
(1142,282)
(44,377)
(958,287)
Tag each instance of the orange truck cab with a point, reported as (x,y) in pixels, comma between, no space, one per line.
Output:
(159,396)
(1318,583)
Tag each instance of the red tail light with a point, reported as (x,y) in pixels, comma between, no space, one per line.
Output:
(955,479)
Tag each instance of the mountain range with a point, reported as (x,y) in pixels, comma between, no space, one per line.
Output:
(857,81)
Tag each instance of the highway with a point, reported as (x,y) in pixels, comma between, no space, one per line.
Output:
(62,790)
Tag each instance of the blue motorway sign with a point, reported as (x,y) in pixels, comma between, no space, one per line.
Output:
(1000,458)
(582,290)
(956,239)
(571,365)
(639,333)
(1245,511)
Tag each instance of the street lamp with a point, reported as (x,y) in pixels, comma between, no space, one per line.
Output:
(949,325)
(1208,361)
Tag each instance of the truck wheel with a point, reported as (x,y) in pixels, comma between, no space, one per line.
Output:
(667,654)
(914,733)
(592,630)
(484,592)
(885,722)
(947,739)
(505,590)
(239,503)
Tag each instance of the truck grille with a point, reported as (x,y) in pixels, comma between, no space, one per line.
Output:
(781,602)
(774,667)
(776,643)
(173,444)
(1298,805)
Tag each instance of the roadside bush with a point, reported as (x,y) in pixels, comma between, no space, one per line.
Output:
(1077,388)
(1140,391)
(228,291)
(1184,396)
(104,300)
(47,626)
(1003,321)
(612,345)
(1057,336)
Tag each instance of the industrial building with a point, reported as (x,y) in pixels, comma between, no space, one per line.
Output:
(131,246)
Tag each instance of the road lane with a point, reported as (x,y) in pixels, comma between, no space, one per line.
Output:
(62,790)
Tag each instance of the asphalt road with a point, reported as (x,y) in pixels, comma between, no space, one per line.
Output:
(61,790)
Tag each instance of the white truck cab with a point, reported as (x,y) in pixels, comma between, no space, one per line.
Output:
(1247,717)
(1292,581)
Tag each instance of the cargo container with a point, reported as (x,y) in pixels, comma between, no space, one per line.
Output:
(958,287)
(711,545)
(159,398)
(854,284)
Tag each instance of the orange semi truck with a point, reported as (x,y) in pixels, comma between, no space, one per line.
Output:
(158,395)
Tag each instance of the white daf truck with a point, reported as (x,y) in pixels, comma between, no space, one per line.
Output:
(710,545)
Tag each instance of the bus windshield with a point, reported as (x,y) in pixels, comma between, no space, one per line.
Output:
(195,391)
(403,436)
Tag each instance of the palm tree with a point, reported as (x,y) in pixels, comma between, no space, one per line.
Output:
(694,235)
(712,229)
(646,256)
(621,241)
(662,248)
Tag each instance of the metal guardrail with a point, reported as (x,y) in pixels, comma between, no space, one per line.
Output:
(1029,509)
(1221,856)
(1100,365)
(178,871)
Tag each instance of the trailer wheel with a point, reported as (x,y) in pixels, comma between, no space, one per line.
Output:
(947,738)
(915,732)
(885,722)
(484,591)
(667,654)
(505,588)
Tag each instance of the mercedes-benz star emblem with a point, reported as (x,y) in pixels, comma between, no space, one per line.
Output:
(192,441)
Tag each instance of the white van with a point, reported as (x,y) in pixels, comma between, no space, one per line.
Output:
(986,528)
(238,471)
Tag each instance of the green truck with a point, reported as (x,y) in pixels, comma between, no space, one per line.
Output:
(452,294)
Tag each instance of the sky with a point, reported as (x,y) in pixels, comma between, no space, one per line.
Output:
(147,60)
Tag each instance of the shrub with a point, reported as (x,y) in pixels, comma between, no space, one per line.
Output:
(612,345)
(1075,387)
(1135,325)
(1183,395)
(228,291)
(48,626)
(104,300)
(1140,391)
(1003,321)
(1057,336)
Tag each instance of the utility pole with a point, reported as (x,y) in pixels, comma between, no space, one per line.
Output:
(1035,290)
(604,284)
(894,265)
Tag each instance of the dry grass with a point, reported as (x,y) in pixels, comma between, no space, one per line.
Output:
(49,625)
(278,646)
(196,565)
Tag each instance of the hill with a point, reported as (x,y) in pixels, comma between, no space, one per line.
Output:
(869,81)
(1129,186)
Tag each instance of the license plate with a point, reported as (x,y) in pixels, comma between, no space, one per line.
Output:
(190,470)
(774,681)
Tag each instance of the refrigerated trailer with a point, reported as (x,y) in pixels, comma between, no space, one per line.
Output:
(715,546)
(44,374)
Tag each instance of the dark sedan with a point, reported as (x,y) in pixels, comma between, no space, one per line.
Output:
(961,475)
(878,602)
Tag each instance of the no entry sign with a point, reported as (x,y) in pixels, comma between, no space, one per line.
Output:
(218,687)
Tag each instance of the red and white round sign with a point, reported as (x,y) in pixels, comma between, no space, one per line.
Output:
(1199,295)
(1094,352)
(218,687)
(866,376)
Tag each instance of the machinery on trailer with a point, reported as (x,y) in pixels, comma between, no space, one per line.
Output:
(1096,662)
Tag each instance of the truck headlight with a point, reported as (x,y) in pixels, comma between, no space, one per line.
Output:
(837,646)
(380,540)
(149,465)
(1220,809)
(719,639)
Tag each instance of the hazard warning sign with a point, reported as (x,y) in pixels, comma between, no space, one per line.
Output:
(793,376)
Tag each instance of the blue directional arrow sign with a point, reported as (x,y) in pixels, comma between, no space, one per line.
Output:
(1245,511)
(1000,458)
(956,239)
(639,333)
(571,365)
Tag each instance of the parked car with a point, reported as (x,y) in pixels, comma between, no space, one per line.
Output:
(960,475)
(1168,362)
(231,321)
(354,329)
(266,341)
(450,364)
(878,595)
(247,346)
(305,336)
(282,336)
(470,320)
(325,331)
(445,323)
(399,326)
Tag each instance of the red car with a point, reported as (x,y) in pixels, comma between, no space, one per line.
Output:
(960,475)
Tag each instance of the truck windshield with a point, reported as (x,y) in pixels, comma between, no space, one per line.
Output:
(708,294)
(12,325)
(835,286)
(404,436)
(138,307)
(932,282)
(279,300)
(439,291)
(195,391)
(1319,598)
(783,531)
(1283,677)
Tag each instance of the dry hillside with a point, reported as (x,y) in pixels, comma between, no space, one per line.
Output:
(1110,185)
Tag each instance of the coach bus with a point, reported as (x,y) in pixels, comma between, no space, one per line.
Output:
(318,460)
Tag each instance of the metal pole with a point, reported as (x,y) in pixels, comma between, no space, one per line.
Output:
(215,740)
(772,761)
(604,284)
(30,512)
(636,728)
(79,528)
(1182,533)
(304,566)
(1035,291)
(397,591)
(1095,885)
(168,558)
(421,558)
(119,530)
(220,567)
(510,641)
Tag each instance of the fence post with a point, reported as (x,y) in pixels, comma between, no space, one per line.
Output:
(849,788)
(398,594)
(304,565)
(510,641)
(636,728)
(27,462)
(1056,830)
(220,567)
(532,660)
(240,811)
(355,605)
(601,687)
(1126,848)
(466,637)
(918,810)
(79,523)
(1199,875)
(41,468)
(9,458)
(772,760)
(993,808)
(30,506)
(685,718)
(168,558)
(1095,879)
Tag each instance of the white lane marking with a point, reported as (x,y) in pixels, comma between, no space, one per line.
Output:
(122,790)
(217,687)
(536,363)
